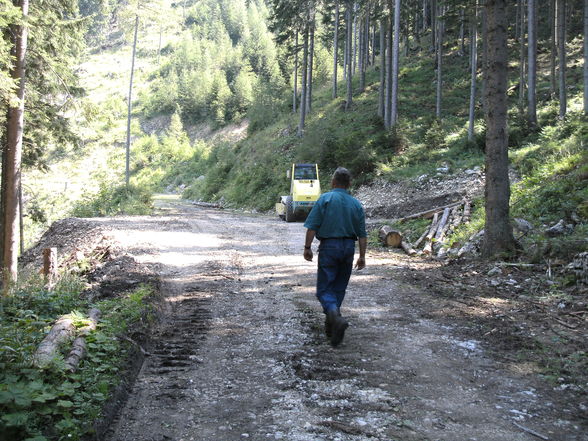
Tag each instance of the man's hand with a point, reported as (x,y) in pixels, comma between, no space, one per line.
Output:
(360,264)
(308,254)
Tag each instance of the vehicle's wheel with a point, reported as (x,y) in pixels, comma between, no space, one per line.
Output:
(290,209)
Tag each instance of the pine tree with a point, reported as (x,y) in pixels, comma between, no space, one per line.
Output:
(12,154)
(474,70)
(532,60)
(498,236)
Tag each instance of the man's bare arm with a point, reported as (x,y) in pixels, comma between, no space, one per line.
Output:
(307,244)
(360,264)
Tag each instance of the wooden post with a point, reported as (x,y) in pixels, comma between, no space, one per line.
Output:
(50,267)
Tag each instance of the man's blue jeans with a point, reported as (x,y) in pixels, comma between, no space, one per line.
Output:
(335,262)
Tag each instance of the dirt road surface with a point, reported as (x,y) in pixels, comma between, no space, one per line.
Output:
(241,353)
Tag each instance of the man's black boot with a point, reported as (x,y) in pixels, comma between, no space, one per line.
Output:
(338,326)
(328,327)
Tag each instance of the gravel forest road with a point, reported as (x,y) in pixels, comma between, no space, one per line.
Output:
(241,354)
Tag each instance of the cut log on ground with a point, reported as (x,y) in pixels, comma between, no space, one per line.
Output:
(78,349)
(429,213)
(420,239)
(61,332)
(407,247)
(456,217)
(390,237)
(441,229)
(428,248)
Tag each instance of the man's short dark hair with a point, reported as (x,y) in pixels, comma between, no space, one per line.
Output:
(342,177)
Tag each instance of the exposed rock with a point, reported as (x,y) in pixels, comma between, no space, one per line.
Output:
(522,225)
(579,267)
(559,229)
(494,271)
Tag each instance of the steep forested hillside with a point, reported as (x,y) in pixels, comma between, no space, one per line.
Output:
(400,96)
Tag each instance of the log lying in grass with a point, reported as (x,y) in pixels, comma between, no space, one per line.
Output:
(443,225)
(78,349)
(429,244)
(420,239)
(390,237)
(62,331)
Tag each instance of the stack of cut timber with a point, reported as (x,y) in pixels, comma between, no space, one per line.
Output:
(444,219)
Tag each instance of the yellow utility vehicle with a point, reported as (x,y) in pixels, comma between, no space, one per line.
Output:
(305,190)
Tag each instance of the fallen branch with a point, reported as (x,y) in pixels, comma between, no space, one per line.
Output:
(532,432)
(567,325)
(78,349)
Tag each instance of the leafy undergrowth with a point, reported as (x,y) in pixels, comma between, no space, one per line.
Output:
(113,200)
(52,403)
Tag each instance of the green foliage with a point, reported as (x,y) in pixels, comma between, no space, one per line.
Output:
(269,103)
(52,403)
(435,135)
(554,169)
(111,200)
(213,71)
(9,15)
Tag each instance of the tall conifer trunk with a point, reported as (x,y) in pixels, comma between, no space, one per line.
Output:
(388,92)
(11,172)
(553,49)
(295,91)
(433,24)
(522,58)
(498,237)
(440,32)
(360,55)
(382,91)
(304,75)
(348,47)
(484,61)
(395,63)
(310,64)
(130,105)
(586,57)
(474,71)
(335,49)
(561,31)
(532,66)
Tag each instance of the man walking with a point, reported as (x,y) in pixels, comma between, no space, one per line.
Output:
(337,220)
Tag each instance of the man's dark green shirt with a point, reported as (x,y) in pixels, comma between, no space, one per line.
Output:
(337,214)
